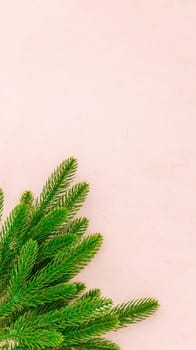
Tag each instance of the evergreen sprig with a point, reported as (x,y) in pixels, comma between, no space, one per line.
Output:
(42,247)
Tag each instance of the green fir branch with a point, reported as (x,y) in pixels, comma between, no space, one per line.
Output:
(12,238)
(49,224)
(96,344)
(51,247)
(55,187)
(74,198)
(91,329)
(66,265)
(77,226)
(135,310)
(36,339)
(27,198)
(24,266)
(43,246)
(60,292)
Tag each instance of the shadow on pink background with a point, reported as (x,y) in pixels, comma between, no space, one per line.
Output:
(112,83)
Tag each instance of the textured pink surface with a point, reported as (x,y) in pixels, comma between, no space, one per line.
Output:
(112,83)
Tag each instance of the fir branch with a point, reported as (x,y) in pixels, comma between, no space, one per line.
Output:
(74,198)
(19,275)
(62,291)
(23,268)
(12,237)
(80,255)
(27,198)
(52,246)
(85,309)
(65,266)
(15,224)
(55,187)
(34,298)
(92,293)
(135,310)
(78,226)
(49,224)
(41,248)
(96,344)
(41,338)
(80,287)
(91,329)
(71,315)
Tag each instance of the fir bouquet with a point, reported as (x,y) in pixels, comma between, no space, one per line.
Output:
(42,247)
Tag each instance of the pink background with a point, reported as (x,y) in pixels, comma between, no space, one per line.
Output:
(112,83)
